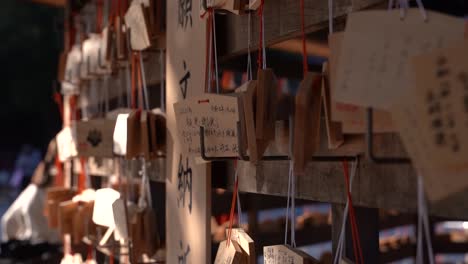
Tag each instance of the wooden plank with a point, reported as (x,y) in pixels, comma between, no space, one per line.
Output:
(376,186)
(57,3)
(282,21)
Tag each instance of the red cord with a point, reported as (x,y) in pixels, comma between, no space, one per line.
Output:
(260,38)
(59,101)
(73,108)
(82,176)
(98,15)
(352,217)
(233,205)
(305,65)
(90,253)
(59,182)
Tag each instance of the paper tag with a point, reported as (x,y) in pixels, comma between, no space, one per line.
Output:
(138,24)
(120,218)
(245,242)
(105,52)
(95,138)
(218,114)
(66,144)
(373,64)
(352,117)
(72,69)
(228,255)
(89,65)
(280,254)
(103,210)
(120,135)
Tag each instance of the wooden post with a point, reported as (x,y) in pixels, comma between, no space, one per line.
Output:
(188,183)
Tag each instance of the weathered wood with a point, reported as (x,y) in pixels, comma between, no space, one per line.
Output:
(375,186)
(282,21)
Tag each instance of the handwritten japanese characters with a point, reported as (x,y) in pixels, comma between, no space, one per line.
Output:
(184,184)
(183,83)
(218,115)
(441,92)
(184,253)
(281,254)
(185,13)
(188,183)
(432,120)
(373,64)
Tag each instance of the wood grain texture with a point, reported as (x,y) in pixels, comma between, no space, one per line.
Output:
(375,186)
(282,21)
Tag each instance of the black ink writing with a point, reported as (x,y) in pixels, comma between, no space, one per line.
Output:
(185,13)
(183,83)
(184,184)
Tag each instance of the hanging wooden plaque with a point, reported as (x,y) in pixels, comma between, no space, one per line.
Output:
(248,91)
(95,138)
(334,130)
(231,254)
(307,120)
(246,243)
(266,107)
(373,71)
(280,254)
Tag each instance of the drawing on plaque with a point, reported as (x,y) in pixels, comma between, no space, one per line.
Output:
(185,13)
(94,137)
(184,184)
(183,83)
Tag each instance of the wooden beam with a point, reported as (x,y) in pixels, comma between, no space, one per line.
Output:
(282,22)
(57,3)
(375,186)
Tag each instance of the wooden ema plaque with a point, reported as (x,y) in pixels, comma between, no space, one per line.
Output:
(245,243)
(333,128)
(351,117)
(188,183)
(432,120)
(247,97)
(374,71)
(265,112)
(95,138)
(231,254)
(280,254)
(307,120)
